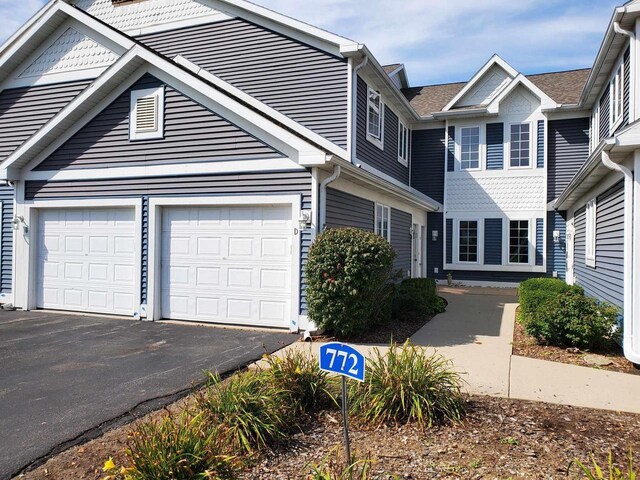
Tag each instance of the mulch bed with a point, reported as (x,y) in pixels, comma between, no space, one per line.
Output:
(499,438)
(526,346)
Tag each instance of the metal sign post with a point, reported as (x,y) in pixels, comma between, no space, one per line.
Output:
(346,361)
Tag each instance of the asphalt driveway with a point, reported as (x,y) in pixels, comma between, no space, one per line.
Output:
(61,376)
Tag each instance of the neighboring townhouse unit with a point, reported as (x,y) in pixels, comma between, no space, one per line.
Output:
(176,159)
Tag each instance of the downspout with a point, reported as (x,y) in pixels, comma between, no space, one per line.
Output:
(628,324)
(323,195)
(632,68)
(354,108)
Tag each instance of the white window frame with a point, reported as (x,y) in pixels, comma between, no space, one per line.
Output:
(616,96)
(595,126)
(158,132)
(590,233)
(531,142)
(404,143)
(376,140)
(530,250)
(480,149)
(385,210)
(457,242)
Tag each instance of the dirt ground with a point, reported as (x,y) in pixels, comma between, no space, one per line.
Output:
(526,346)
(499,439)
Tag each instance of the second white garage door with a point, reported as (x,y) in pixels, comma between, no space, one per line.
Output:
(227,264)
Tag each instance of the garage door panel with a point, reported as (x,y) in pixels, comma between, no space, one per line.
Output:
(227,264)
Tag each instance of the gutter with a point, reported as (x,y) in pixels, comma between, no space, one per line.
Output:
(628,324)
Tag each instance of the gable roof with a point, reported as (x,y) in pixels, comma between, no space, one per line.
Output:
(391,68)
(432,98)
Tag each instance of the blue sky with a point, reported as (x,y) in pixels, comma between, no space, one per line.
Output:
(441,40)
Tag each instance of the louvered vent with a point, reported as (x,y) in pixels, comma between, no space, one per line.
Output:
(147,114)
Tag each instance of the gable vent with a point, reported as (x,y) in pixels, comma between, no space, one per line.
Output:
(147,114)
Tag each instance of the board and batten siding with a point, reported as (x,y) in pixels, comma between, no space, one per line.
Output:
(265,183)
(386,159)
(568,149)
(346,210)
(23,111)
(427,162)
(306,84)
(192,133)
(401,223)
(606,280)
(6,239)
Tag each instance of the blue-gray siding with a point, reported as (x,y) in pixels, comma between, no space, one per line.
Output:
(294,182)
(539,241)
(386,159)
(603,128)
(449,240)
(401,240)
(306,84)
(346,210)
(606,280)
(192,133)
(434,248)
(568,149)
(427,162)
(557,252)
(495,146)
(144,250)
(23,111)
(627,87)
(493,241)
(451,149)
(540,148)
(6,240)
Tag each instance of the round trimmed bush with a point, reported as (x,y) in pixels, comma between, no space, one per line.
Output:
(536,292)
(348,276)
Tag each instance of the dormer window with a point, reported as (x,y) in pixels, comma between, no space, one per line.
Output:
(375,116)
(146,120)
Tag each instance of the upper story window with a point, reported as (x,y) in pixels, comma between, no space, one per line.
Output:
(403,143)
(468,241)
(595,127)
(469,148)
(146,115)
(590,233)
(519,241)
(616,93)
(520,151)
(383,221)
(375,125)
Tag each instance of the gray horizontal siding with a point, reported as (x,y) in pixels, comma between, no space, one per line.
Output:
(556,252)
(346,210)
(495,146)
(427,162)
(451,149)
(191,133)
(540,148)
(568,149)
(144,250)
(401,240)
(605,101)
(6,239)
(449,240)
(606,280)
(23,111)
(435,248)
(306,84)
(627,87)
(493,241)
(539,241)
(385,160)
(289,183)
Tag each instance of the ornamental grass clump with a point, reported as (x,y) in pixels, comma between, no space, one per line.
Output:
(610,472)
(407,385)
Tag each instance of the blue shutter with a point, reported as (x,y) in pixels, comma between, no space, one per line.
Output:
(539,241)
(493,241)
(451,145)
(495,146)
(449,240)
(540,143)
(144,254)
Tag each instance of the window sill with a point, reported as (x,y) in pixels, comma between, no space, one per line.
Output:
(496,268)
(590,262)
(403,162)
(377,142)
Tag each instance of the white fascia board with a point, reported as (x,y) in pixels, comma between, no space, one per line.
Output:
(546,103)
(257,104)
(112,39)
(494,60)
(471,112)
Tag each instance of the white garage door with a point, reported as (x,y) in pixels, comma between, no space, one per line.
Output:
(86,260)
(227,265)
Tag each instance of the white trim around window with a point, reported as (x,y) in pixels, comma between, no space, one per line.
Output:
(146,114)
(616,96)
(404,143)
(590,233)
(470,154)
(518,224)
(375,118)
(518,144)
(467,226)
(383,221)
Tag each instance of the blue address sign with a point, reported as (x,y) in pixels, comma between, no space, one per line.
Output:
(342,359)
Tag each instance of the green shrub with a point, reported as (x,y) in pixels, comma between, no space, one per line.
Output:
(407,385)
(247,410)
(299,377)
(535,292)
(183,447)
(417,297)
(347,274)
(611,473)
(574,320)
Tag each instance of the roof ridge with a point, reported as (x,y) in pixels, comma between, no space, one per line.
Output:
(557,71)
(437,85)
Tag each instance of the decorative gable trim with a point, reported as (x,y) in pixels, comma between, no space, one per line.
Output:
(545,101)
